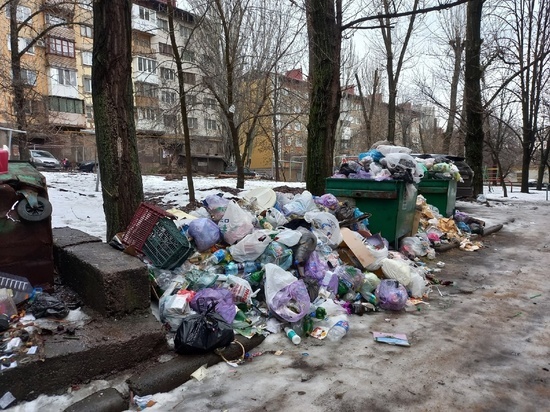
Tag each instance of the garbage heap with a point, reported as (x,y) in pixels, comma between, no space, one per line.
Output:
(269,262)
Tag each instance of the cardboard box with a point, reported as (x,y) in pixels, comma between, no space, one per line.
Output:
(359,254)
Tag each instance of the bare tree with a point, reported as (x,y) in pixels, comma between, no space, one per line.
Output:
(242,42)
(527,52)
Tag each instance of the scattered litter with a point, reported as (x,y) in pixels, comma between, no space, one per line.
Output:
(200,373)
(397,339)
(143,402)
(6,400)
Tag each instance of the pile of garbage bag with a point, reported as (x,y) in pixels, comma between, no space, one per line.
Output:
(270,262)
(389,162)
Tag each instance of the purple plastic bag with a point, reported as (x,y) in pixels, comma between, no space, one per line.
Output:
(315,266)
(391,295)
(204,232)
(291,303)
(222,299)
(327,200)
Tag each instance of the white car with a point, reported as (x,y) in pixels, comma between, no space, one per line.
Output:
(42,159)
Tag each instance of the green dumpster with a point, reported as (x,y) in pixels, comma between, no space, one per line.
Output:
(440,193)
(391,203)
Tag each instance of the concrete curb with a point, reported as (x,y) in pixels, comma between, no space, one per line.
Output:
(167,376)
(107,400)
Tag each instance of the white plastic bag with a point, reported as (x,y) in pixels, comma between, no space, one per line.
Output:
(417,287)
(288,237)
(325,226)
(250,247)
(235,223)
(275,217)
(240,289)
(285,295)
(397,269)
(300,205)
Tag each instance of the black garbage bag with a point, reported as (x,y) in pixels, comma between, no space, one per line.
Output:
(48,306)
(203,332)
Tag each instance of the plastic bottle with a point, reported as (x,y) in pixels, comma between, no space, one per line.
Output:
(233,268)
(338,331)
(218,256)
(293,336)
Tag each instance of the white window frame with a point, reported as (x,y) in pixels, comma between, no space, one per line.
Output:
(147,65)
(167,74)
(22,43)
(192,122)
(168,96)
(87,58)
(86,31)
(87,84)
(144,13)
(163,24)
(52,19)
(65,77)
(210,124)
(28,77)
(22,14)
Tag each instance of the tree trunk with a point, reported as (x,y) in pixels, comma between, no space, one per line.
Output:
(458,47)
(323,24)
(112,94)
(183,106)
(472,94)
(17,84)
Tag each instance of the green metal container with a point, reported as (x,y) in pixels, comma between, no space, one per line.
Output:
(440,193)
(391,203)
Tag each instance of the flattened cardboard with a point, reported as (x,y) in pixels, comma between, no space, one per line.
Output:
(360,251)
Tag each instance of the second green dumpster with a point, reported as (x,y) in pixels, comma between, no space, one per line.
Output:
(440,193)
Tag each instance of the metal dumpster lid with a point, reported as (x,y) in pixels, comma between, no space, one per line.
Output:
(23,172)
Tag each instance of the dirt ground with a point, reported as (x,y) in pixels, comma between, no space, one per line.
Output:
(480,345)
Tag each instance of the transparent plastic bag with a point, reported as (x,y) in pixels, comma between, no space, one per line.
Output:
(325,226)
(235,223)
(391,295)
(216,205)
(205,233)
(397,269)
(286,296)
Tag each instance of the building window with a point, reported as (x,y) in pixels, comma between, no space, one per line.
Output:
(23,13)
(168,97)
(185,32)
(187,56)
(66,77)
(209,103)
(297,126)
(144,14)
(146,89)
(60,47)
(90,113)
(170,120)
(163,24)
(192,122)
(54,20)
(66,105)
(87,82)
(86,4)
(28,77)
(165,49)
(147,113)
(298,141)
(210,124)
(22,43)
(167,74)
(147,65)
(190,99)
(86,31)
(142,41)
(289,140)
(87,58)
(189,78)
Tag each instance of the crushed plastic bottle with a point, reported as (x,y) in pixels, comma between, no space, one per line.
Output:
(234,268)
(338,331)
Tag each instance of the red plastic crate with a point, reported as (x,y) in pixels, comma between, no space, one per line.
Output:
(142,224)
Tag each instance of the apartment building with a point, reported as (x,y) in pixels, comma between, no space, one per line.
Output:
(57,73)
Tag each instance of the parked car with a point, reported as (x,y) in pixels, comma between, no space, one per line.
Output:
(41,159)
(231,171)
(88,166)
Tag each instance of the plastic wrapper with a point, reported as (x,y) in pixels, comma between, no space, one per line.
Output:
(397,269)
(325,226)
(240,289)
(47,306)
(275,217)
(216,206)
(413,246)
(204,232)
(286,296)
(250,247)
(278,254)
(174,307)
(370,283)
(391,295)
(417,287)
(327,200)
(202,332)
(375,155)
(389,149)
(300,205)
(220,299)
(235,223)
(316,266)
